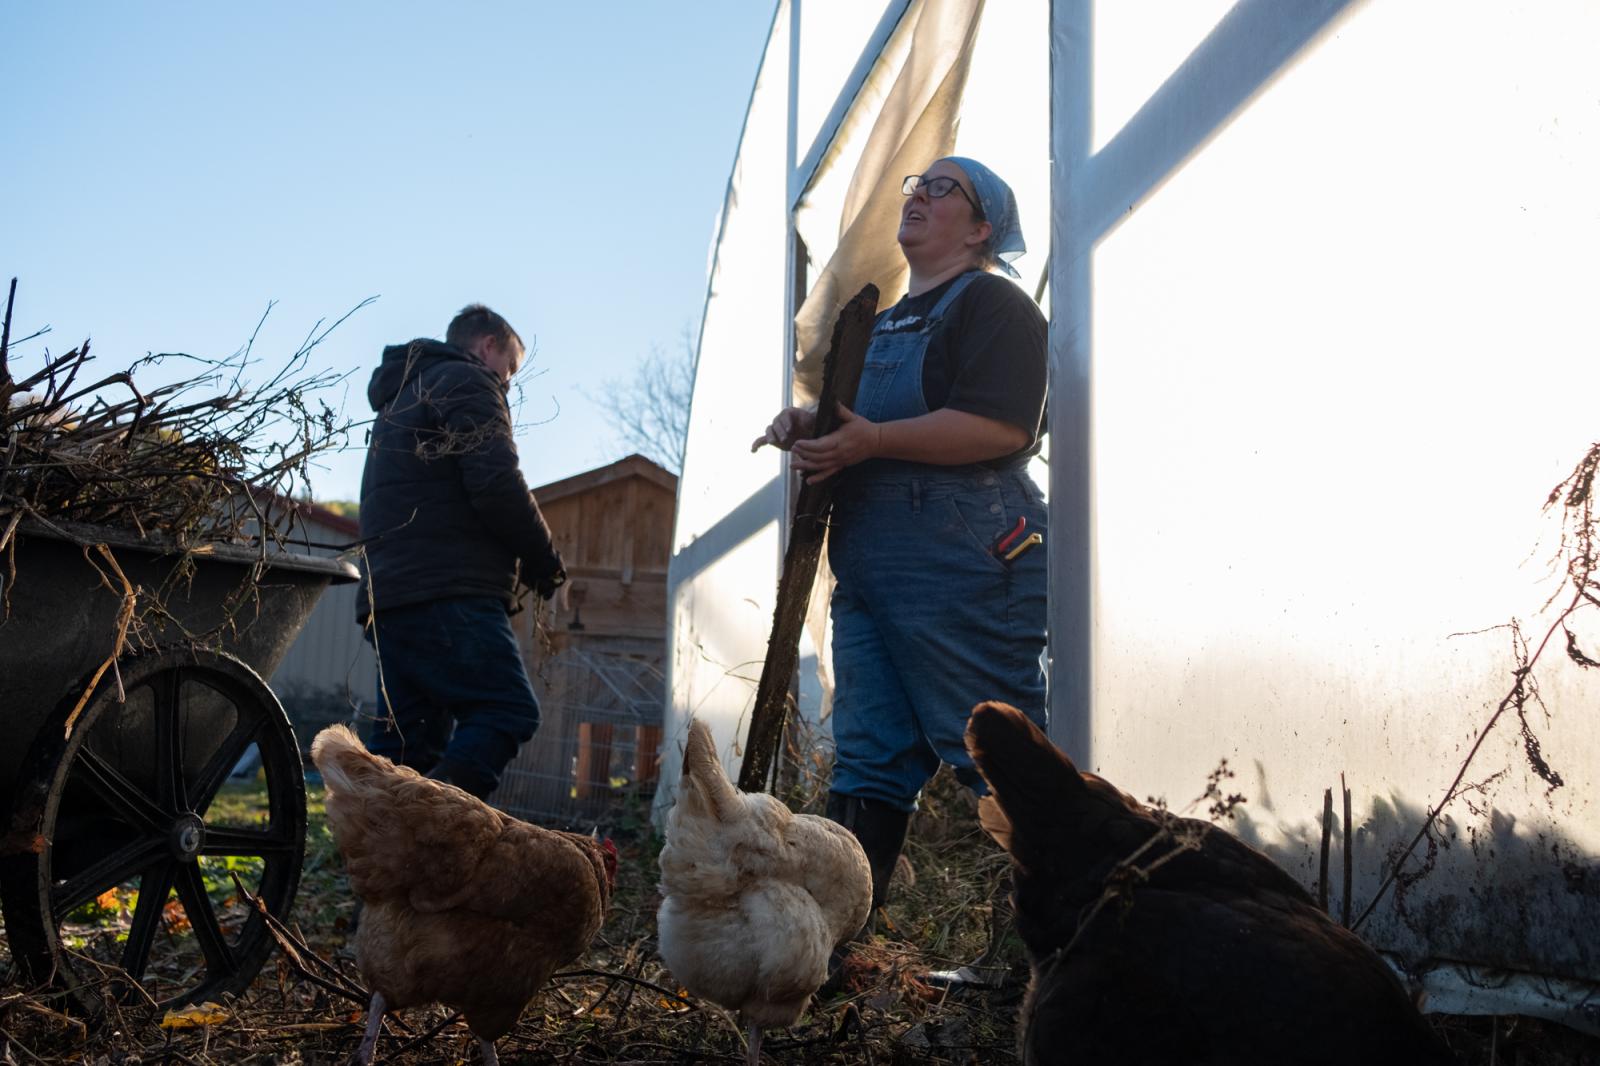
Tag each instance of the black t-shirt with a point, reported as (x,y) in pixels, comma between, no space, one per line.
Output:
(988,358)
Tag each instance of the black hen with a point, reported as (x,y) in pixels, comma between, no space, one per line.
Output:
(1215,957)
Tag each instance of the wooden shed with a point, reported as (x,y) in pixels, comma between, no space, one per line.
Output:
(597,661)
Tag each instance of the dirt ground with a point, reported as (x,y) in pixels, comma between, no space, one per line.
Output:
(618,1005)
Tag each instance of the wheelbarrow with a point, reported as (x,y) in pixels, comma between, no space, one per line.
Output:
(121,849)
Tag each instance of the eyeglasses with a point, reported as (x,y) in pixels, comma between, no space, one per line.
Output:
(937,189)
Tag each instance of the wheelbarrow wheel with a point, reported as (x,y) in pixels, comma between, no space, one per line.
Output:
(120,879)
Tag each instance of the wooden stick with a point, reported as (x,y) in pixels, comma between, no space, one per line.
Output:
(5,345)
(1327,832)
(1349,860)
(841,374)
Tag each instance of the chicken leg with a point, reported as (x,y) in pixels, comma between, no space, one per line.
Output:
(489,1056)
(755,1045)
(369,1043)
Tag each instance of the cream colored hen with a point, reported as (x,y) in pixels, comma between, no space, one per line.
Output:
(754,898)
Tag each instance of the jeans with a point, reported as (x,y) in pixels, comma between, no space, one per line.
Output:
(454,698)
(928,622)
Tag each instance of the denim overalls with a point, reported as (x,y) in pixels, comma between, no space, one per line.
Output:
(927,620)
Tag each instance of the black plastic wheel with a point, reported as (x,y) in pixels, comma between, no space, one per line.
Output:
(135,839)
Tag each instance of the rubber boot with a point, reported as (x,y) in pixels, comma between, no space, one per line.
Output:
(881,829)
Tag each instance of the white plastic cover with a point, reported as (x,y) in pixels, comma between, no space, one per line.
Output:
(1334,275)
(723,576)
(1323,341)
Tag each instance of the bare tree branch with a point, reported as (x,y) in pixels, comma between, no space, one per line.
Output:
(651,410)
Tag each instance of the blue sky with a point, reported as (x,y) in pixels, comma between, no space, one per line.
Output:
(170,168)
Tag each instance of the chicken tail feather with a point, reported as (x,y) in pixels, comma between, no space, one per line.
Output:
(992,817)
(1027,775)
(707,783)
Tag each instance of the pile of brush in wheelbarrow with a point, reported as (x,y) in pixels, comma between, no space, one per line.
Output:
(144,595)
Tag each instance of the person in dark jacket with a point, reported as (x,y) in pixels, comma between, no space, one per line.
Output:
(451,530)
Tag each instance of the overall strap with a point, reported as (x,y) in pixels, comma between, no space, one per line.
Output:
(937,312)
(950,296)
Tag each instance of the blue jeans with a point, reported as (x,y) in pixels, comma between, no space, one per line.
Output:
(928,622)
(459,701)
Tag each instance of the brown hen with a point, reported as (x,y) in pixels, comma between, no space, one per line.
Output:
(1207,955)
(464,905)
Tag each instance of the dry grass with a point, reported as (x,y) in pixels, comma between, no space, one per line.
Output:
(618,1005)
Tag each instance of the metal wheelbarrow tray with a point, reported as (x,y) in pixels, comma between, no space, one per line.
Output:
(120,847)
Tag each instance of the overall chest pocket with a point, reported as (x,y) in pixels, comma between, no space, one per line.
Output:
(875,396)
(887,351)
(885,363)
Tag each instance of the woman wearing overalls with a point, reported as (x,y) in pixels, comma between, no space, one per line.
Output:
(936,608)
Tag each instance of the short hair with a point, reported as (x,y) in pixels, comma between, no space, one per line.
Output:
(476,320)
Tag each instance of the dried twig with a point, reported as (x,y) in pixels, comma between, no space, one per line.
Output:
(567,975)
(1349,860)
(1581,543)
(5,346)
(13,1042)
(295,950)
(204,460)
(1327,833)
(423,1038)
(171,460)
(130,598)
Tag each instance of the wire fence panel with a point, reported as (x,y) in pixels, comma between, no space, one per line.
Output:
(595,758)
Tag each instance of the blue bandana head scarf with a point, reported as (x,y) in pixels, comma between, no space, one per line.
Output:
(999,210)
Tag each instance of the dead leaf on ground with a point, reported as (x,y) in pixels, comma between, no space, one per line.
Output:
(207,1013)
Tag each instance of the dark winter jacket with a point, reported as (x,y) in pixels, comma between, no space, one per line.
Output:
(445,510)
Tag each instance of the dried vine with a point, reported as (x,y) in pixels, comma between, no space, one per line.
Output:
(208,459)
(1580,541)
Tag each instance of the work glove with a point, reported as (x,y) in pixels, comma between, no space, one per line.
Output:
(554,578)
